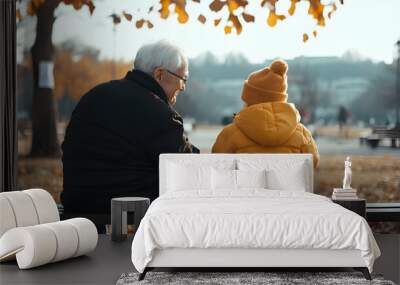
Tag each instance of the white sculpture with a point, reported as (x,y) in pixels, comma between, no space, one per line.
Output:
(347,174)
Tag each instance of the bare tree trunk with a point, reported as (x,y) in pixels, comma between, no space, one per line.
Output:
(44,139)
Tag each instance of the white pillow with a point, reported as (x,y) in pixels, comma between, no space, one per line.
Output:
(282,174)
(184,178)
(223,179)
(293,180)
(251,178)
(236,179)
(195,174)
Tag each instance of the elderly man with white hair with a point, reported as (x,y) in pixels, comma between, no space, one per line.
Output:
(119,128)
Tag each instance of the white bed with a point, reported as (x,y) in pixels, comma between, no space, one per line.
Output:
(203,220)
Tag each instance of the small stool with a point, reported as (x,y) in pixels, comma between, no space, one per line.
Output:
(119,209)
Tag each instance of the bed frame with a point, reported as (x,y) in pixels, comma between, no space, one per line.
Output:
(248,259)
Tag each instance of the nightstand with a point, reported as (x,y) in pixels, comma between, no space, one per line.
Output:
(356,205)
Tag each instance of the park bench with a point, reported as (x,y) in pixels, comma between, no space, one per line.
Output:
(380,133)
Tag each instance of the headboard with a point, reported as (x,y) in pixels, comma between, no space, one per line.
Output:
(210,159)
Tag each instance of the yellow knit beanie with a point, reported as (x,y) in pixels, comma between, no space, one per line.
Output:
(267,85)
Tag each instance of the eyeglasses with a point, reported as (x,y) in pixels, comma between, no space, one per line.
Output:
(184,79)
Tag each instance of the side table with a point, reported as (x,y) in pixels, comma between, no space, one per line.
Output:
(119,208)
(355,205)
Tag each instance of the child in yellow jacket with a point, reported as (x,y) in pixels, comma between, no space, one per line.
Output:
(268,124)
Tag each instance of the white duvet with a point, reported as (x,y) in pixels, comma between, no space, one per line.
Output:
(250,219)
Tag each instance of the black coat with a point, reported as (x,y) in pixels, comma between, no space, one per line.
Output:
(113,141)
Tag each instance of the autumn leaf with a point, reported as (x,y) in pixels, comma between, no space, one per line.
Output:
(127,16)
(305,38)
(202,19)
(77,4)
(314,33)
(316,9)
(164,11)
(91,7)
(140,23)
(292,8)
(228,29)
(217,21)
(273,18)
(116,19)
(247,17)
(183,16)
(236,23)
(150,24)
(334,8)
(216,5)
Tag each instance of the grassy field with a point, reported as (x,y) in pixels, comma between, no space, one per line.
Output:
(377,178)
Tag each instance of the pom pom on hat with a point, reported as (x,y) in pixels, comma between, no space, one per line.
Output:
(279,66)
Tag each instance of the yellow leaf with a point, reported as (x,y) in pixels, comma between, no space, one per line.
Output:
(314,33)
(228,29)
(292,8)
(305,38)
(183,16)
(272,19)
(232,5)
(316,9)
(217,21)
(202,19)
(164,11)
(247,17)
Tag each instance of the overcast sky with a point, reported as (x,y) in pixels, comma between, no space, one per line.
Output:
(370,27)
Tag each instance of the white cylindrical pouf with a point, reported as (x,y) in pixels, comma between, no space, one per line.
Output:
(7,218)
(67,239)
(34,246)
(23,208)
(87,234)
(45,205)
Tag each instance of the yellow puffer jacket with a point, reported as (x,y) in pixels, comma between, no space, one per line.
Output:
(272,127)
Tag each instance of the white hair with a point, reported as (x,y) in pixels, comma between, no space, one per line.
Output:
(159,54)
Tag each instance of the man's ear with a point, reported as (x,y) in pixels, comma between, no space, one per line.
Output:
(158,73)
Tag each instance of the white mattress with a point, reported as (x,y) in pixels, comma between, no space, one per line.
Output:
(251,219)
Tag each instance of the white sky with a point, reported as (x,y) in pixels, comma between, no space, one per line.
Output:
(371,27)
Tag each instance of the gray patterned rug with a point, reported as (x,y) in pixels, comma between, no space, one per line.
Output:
(273,278)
